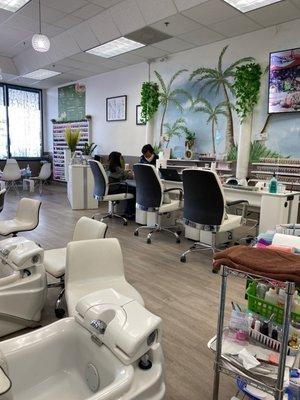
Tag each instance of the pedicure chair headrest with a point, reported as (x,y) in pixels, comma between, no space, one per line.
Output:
(122,324)
(20,253)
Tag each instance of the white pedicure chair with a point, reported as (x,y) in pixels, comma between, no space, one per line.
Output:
(22,284)
(109,350)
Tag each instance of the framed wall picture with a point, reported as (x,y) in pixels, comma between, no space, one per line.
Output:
(116,108)
(138,118)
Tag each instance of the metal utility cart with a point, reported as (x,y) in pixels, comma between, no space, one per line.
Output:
(222,365)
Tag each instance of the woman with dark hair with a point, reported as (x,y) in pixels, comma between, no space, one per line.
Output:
(117,175)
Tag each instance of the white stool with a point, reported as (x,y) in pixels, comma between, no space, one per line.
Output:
(30,184)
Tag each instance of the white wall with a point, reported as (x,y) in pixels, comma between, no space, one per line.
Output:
(123,136)
(128,138)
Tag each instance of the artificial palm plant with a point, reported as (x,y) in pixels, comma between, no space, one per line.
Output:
(203,105)
(169,95)
(220,79)
(172,130)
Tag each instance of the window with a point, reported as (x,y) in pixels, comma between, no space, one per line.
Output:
(20,122)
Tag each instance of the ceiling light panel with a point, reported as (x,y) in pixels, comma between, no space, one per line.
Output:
(249,5)
(13,5)
(41,74)
(115,47)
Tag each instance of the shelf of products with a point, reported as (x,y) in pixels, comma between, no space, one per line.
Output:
(224,168)
(267,375)
(60,145)
(287,171)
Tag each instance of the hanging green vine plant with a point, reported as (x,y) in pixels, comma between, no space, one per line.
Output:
(149,100)
(246,87)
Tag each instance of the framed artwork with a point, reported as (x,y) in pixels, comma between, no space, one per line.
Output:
(116,108)
(138,115)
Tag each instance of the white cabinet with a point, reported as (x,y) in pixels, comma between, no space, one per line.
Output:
(81,187)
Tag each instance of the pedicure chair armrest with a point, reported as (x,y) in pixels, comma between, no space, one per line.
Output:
(172,190)
(5,382)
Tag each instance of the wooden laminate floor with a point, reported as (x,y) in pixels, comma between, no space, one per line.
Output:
(185,296)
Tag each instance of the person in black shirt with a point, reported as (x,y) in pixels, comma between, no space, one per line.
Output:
(148,157)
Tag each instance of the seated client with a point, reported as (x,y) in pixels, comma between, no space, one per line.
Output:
(148,157)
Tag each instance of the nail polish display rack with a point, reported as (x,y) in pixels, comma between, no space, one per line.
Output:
(223,366)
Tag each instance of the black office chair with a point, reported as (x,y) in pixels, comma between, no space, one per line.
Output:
(101,188)
(150,196)
(205,207)
(2,196)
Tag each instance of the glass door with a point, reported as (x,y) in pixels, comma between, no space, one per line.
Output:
(3,125)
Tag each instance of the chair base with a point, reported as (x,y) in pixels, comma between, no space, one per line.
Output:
(157,228)
(198,246)
(11,185)
(59,311)
(111,214)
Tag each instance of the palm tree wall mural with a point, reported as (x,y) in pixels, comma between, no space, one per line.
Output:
(169,95)
(219,79)
(213,112)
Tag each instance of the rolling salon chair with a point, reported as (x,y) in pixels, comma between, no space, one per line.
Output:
(101,188)
(93,265)
(26,219)
(55,259)
(150,198)
(205,208)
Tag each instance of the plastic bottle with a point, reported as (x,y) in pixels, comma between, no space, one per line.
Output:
(271,296)
(281,298)
(28,171)
(273,184)
(296,303)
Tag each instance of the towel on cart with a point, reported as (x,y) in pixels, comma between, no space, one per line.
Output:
(274,264)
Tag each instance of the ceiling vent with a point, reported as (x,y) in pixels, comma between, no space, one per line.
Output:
(148,36)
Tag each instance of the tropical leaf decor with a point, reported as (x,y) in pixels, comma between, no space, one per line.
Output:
(171,130)
(258,150)
(72,138)
(220,80)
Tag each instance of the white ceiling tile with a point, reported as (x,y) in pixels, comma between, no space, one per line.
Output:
(173,45)
(4,15)
(155,10)
(296,3)
(275,14)
(62,46)
(68,22)
(202,36)
(88,58)
(58,67)
(186,4)
(103,27)
(84,36)
(83,73)
(66,6)
(97,69)
(129,59)
(127,16)
(8,65)
(178,24)
(113,64)
(19,47)
(20,80)
(150,52)
(70,62)
(87,11)
(49,14)
(51,30)
(211,12)
(19,21)
(235,26)
(105,3)
(10,36)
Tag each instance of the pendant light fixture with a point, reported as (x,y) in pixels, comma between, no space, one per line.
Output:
(40,42)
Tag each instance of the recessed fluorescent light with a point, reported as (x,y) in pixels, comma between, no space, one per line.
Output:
(115,47)
(13,5)
(41,74)
(249,5)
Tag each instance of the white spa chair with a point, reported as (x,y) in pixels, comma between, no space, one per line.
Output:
(93,265)
(11,174)
(26,219)
(22,284)
(43,176)
(55,259)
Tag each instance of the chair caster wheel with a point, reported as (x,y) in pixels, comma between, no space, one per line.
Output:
(179,233)
(183,259)
(59,312)
(136,233)
(125,223)
(148,241)
(177,240)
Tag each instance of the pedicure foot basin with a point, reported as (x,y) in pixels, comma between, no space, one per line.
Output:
(109,350)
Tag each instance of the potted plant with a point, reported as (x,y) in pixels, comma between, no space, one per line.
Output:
(149,100)
(72,138)
(190,138)
(87,150)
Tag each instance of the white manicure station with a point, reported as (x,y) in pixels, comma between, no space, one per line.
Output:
(109,350)
(81,187)
(22,284)
(275,208)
